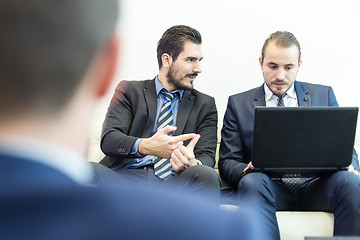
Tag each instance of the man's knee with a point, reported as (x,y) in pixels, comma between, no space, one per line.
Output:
(203,174)
(346,184)
(253,183)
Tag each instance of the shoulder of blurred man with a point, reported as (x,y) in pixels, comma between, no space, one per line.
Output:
(39,209)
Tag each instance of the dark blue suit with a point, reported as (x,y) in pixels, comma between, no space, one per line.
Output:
(339,193)
(39,202)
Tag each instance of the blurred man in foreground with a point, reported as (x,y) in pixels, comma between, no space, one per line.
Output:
(57,58)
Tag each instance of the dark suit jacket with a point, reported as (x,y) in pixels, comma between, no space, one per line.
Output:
(39,202)
(132,114)
(237,132)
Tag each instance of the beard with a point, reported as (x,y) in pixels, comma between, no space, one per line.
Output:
(177,82)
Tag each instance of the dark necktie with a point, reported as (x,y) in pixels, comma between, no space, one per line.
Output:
(162,166)
(280,102)
(291,181)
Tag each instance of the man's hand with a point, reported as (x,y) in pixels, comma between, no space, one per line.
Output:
(352,169)
(183,157)
(161,144)
(248,166)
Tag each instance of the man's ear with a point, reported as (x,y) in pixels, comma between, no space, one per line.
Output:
(166,60)
(261,62)
(108,65)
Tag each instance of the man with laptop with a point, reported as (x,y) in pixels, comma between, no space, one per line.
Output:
(337,191)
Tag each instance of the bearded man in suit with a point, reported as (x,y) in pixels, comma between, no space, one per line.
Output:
(136,138)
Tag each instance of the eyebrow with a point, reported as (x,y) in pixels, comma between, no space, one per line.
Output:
(286,65)
(190,58)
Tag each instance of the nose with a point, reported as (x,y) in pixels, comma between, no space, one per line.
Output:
(280,75)
(197,67)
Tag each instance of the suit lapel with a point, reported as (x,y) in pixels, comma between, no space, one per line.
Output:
(151,102)
(304,99)
(185,106)
(259,97)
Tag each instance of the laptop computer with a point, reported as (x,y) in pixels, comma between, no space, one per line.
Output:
(310,141)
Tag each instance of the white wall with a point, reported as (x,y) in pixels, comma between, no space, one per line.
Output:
(233,32)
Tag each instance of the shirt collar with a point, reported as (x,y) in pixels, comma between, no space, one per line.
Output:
(69,162)
(291,92)
(268,93)
(159,87)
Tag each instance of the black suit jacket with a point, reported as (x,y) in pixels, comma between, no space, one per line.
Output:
(132,114)
(237,132)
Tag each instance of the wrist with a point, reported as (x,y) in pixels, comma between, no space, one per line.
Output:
(194,162)
(143,149)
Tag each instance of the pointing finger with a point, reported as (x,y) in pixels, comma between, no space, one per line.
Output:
(184,137)
(168,129)
(193,142)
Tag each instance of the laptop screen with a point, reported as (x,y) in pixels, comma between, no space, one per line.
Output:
(304,138)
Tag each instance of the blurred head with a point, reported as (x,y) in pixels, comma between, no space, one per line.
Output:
(46,48)
(179,50)
(280,61)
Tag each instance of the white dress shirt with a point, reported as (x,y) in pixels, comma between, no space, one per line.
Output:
(290,99)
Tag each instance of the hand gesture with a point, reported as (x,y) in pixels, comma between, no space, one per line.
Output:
(183,157)
(161,144)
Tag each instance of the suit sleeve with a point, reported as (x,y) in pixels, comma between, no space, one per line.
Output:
(332,98)
(206,146)
(333,102)
(231,154)
(114,139)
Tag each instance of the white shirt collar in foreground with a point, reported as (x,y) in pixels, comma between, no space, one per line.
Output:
(67,161)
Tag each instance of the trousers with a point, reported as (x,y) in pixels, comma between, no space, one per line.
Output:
(338,193)
(198,179)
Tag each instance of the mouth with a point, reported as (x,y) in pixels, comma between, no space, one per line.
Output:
(192,76)
(279,84)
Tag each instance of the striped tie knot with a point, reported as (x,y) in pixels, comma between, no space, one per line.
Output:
(169,96)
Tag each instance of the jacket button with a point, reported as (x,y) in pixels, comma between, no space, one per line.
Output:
(121,150)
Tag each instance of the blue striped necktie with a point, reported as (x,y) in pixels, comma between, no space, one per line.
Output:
(162,166)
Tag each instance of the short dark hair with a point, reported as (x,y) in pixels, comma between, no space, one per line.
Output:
(282,39)
(172,41)
(46,47)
